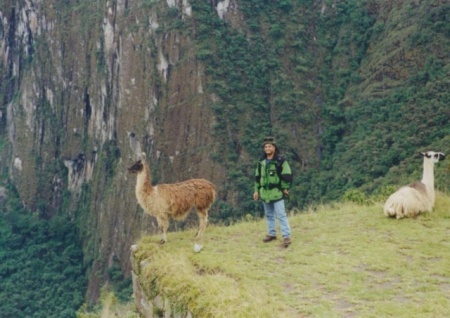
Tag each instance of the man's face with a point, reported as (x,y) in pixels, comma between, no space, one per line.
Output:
(269,149)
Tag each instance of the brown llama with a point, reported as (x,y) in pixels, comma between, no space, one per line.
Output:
(173,201)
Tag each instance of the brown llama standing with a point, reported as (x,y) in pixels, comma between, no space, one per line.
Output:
(176,200)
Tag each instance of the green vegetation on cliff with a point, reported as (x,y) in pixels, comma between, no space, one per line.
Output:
(41,264)
(350,89)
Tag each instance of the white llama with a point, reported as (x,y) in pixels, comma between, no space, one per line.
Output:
(410,200)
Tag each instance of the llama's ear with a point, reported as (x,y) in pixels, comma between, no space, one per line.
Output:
(143,156)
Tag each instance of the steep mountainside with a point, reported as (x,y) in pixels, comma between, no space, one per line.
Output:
(349,88)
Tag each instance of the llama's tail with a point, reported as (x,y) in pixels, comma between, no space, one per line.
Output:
(211,196)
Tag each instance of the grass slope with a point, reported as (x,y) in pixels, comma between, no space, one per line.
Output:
(346,260)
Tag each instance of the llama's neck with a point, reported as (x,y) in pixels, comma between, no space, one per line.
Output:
(143,182)
(428,177)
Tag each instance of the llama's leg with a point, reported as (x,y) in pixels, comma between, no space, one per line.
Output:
(405,212)
(163,224)
(203,221)
(400,212)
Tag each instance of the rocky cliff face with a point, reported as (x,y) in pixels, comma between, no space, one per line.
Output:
(91,86)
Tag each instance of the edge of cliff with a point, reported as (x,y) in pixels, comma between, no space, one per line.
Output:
(346,259)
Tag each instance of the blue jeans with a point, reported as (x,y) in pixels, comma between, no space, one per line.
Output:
(277,209)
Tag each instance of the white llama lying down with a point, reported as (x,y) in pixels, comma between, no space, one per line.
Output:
(410,200)
(166,201)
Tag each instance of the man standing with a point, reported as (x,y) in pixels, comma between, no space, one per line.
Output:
(273,178)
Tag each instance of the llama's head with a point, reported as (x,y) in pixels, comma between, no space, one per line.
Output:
(137,167)
(434,156)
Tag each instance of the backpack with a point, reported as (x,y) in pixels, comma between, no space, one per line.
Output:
(280,159)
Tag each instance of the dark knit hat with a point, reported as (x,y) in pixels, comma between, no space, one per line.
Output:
(269,140)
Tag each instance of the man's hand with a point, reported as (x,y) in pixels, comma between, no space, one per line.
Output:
(255,196)
(286,192)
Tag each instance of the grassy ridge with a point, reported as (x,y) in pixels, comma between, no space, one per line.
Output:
(346,260)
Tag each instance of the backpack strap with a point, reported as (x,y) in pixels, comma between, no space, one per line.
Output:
(280,160)
(283,177)
(258,176)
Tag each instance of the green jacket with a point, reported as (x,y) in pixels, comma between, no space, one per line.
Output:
(272,177)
